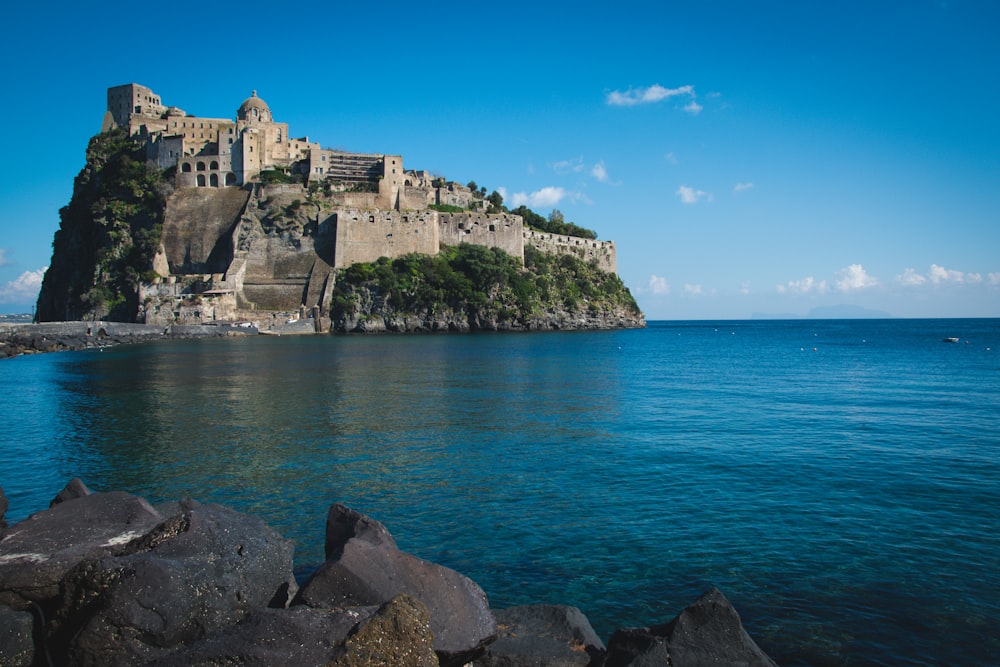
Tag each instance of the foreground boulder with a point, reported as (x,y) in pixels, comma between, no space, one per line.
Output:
(37,553)
(17,646)
(551,635)
(365,567)
(708,632)
(194,575)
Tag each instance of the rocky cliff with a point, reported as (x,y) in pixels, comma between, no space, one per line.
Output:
(132,248)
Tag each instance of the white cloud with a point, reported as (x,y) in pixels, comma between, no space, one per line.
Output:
(993,278)
(804,286)
(654,93)
(547,196)
(574,166)
(3,257)
(600,172)
(745,287)
(691,195)
(910,278)
(23,288)
(670,157)
(502,191)
(658,285)
(974,277)
(693,108)
(939,274)
(854,277)
(693,290)
(742,187)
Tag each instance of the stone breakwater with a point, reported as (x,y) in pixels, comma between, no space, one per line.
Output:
(17,339)
(109,579)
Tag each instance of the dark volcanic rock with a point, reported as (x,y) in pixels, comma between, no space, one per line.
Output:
(398,635)
(75,489)
(551,635)
(194,575)
(16,644)
(364,567)
(708,632)
(36,553)
(298,636)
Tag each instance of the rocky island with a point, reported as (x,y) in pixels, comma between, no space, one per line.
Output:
(179,219)
(110,579)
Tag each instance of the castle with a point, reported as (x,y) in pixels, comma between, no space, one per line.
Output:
(244,246)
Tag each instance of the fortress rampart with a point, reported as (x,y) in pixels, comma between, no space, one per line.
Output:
(603,252)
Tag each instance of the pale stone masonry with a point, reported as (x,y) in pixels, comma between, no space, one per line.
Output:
(360,206)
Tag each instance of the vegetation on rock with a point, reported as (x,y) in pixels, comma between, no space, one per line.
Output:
(483,288)
(555,224)
(108,234)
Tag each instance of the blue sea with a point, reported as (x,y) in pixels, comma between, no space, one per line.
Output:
(839,481)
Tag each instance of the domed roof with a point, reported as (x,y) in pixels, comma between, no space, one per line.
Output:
(250,103)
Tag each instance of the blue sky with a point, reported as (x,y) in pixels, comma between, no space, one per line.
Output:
(764,157)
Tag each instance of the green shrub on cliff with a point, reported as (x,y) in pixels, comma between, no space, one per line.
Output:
(108,234)
(485,284)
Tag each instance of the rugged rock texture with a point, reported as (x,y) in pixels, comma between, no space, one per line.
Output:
(38,552)
(193,576)
(551,635)
(17,647)
(106,579)
(708,632)
(364,567)
(267,637)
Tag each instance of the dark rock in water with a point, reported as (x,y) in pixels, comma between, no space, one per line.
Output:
(297,636)
(366,568)
(75,489)
(551,635)
(16,644)
(708,632)
(192,576)
(38,552)
(398,635)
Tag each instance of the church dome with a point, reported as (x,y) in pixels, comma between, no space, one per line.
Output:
(254,108)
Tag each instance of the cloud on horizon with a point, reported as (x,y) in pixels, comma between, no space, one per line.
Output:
(657,285)
(742,187)
(939,275)
(854,277)
(23,288)
(650,95)
(804,286)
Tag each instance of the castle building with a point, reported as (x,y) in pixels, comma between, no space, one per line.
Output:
(220,152)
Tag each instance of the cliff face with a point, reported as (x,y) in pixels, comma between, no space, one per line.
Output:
(471,288)
(107,237)
(132,249)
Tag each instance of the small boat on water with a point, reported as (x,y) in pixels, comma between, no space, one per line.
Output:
(949,340)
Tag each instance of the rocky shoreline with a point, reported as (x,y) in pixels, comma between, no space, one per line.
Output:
(109,579)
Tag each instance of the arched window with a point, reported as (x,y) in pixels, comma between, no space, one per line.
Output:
(213,179)
(214,166)
(201,166)
(230,178)
(201,180)
(186,167)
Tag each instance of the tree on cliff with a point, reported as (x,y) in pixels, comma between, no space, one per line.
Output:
(108,235)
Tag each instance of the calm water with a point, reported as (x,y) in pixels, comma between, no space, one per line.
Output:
(838,480)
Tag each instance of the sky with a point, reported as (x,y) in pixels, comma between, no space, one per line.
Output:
(773,158)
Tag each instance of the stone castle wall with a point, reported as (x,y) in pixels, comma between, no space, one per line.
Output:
(604,252)
(366,235)
(493,230)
